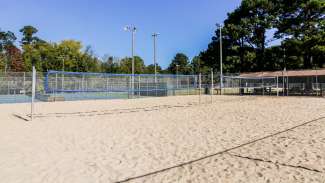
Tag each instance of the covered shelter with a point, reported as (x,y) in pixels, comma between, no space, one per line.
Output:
(295,82)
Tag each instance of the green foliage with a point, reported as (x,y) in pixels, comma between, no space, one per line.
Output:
(7,40)
(198,66)
(28,34)
(67,55)
(126,65)
(299,24)
(150,69)
(180,64)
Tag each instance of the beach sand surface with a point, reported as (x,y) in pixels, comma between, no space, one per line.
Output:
(169,139)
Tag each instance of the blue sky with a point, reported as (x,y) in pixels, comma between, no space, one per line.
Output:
(185,25)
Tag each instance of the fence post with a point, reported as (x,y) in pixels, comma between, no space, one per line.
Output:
(33,92)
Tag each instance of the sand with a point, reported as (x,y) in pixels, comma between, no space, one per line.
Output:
(234,139)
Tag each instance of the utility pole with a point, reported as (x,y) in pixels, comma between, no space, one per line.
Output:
(133,30)
(155,35)
(221,61)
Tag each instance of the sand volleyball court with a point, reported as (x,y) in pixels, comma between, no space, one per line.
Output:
(172,139)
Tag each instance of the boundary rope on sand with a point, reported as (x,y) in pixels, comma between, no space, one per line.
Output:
(227,151)
(115,111)
(106,112)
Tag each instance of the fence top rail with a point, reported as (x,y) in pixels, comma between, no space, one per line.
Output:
(243,77)
(112,74)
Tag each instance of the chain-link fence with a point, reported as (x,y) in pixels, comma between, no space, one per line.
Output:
(16,87)
(68,86)
(281,85)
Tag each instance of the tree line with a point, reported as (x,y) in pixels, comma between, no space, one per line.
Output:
(69,55)
(251,30)
(249,34)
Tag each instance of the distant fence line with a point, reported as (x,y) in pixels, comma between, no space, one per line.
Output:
(57,85)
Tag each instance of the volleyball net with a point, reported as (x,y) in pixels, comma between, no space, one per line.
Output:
(137,85)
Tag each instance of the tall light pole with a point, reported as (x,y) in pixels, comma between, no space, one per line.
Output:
(155,35)
(132,29)
(221,72)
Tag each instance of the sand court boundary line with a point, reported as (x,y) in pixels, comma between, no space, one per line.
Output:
(226,151)
(27,117)
(102,112)
(275,163)
(114,111)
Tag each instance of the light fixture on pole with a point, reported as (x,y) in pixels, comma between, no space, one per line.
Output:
(132,29)
(221,62)
(155,35)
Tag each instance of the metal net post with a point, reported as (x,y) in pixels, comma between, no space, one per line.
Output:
(129,80)
(262,86)
(33,91)
(277,85)
(139,86)
(200,87)
(107,87)
(212,86)
(188,85)
(156,86)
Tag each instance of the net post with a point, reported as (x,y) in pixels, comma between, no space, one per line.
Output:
(56,83)
(82,84)
(147,87)
(156,85)
(262,86)
(129,86)
(33,92)
(107,86)
(240,90)
(212,87)
(287,83)
(188,85)
(24,83)
(139,86)
(277,85)
(200,86)
(282,84)
(8,87)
